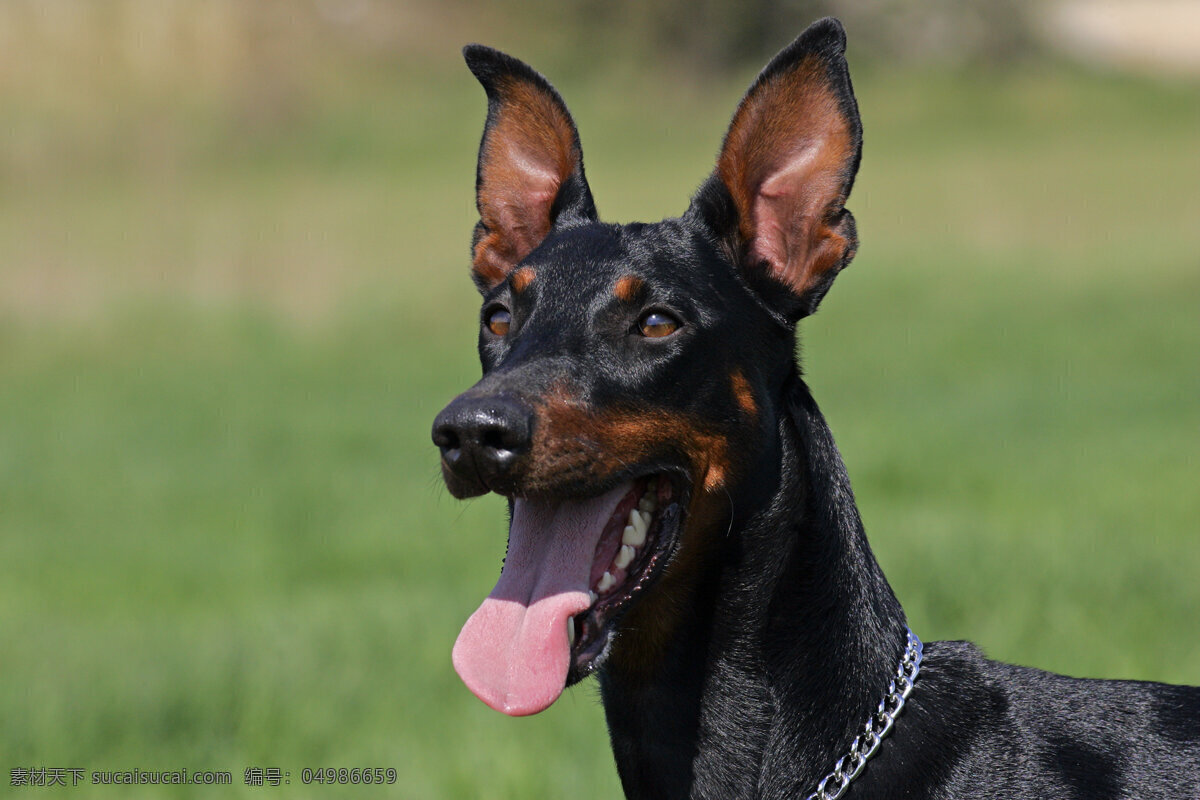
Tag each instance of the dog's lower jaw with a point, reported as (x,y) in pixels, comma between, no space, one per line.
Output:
(765,680)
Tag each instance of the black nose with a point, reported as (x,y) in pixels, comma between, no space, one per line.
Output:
(481,438)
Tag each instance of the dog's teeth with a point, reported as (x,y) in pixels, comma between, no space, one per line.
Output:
(592,597)
(633,537)
(624,556)
(641,522)
(607,581)
(646,505)
(571,631)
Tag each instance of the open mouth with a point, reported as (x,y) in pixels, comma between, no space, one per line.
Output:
(572,570)
(636,540)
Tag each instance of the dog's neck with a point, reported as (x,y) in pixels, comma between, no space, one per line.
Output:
(779,664)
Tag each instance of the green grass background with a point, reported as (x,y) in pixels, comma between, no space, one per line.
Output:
(223,542)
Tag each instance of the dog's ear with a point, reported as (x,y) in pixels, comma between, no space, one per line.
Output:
(530,172)
(786,167)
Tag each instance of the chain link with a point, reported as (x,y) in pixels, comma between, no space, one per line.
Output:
(879,725)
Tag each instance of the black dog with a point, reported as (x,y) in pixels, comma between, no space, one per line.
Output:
(682,524)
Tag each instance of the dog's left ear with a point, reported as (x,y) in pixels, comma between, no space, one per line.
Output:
(786,167)
(530,174)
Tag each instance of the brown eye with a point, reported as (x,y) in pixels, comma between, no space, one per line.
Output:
(657,324)
(498,321)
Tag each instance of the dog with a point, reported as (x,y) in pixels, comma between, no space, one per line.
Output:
(682,525)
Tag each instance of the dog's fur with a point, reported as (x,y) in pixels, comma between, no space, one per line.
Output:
(762,633)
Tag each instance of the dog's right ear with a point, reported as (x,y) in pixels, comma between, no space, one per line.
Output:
(530,174)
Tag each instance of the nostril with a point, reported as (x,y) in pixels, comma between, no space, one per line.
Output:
(446,438)
(495,438)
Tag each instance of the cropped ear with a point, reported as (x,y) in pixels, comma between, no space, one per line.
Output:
(787,165)
(530,172)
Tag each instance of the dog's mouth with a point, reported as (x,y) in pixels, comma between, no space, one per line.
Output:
(636,544)
(572,570)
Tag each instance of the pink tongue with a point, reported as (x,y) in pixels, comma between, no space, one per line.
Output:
(513,653)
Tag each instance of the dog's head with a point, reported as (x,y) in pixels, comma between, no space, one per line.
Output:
(630,371)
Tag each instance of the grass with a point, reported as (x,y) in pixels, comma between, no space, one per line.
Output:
(222,539)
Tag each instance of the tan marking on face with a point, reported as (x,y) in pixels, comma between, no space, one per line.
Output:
(628,287)
(521,279)
(573,442)
(743,394)
(714,478)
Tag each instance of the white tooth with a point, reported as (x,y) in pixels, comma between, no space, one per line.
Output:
(624,556)
(607,581)
(642,523)
(571,631)
(631,536)
(633,515)
(647,504)
(592,597)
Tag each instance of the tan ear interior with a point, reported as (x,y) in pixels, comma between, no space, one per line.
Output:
(527,153)
(786,162)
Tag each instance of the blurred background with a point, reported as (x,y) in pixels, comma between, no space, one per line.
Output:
(234,293)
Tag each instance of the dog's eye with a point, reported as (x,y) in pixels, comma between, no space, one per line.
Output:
(498,320)
(657,324)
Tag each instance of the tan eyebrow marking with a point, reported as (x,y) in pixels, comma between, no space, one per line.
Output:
(522,278)
(627,288)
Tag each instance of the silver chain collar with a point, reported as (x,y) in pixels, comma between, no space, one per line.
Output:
(850,766)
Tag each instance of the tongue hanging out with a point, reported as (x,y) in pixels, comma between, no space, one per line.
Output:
(514,652)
